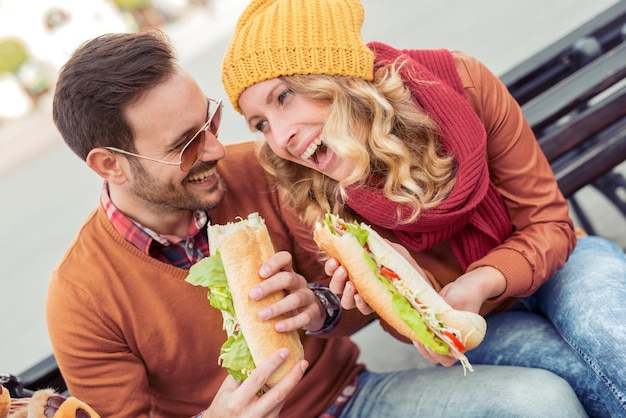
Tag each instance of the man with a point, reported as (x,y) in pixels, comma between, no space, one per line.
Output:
(132,338)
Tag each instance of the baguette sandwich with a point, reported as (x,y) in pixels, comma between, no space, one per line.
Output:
(238,249)
(397,292)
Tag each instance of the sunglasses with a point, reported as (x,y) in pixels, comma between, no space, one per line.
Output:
(190,153)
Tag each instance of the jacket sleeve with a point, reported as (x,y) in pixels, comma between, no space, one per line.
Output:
(543,232)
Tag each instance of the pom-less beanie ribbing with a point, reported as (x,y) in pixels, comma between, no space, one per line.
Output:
(285,37)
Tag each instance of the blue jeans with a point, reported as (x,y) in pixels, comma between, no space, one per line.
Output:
(574,326)
(490,391)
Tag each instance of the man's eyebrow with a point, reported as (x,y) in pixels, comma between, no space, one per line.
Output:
(183,138)
(179,140)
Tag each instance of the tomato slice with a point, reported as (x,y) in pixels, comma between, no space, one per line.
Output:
(457,343)
(387,272)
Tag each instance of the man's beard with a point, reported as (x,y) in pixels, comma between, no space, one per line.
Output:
(167,198)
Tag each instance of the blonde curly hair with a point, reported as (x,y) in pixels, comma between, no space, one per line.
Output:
(402,146)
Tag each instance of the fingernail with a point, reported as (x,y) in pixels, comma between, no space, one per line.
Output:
(305,365)
(264,313)
(264,272)
(279,326)
(332,263)
(283,352)
(255,293)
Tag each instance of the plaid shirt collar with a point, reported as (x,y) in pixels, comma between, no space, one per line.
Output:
(146,239)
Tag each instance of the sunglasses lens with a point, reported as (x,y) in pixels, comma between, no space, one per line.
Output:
(215,110)
(190,155)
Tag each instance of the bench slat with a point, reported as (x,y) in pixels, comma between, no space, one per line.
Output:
(587,82)
(560,59)
(573,132)
(595,161)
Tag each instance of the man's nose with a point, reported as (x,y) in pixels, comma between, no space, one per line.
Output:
(213,149)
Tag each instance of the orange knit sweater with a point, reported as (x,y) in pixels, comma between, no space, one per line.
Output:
(133,339)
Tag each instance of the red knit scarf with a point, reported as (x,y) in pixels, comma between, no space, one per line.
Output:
(473,217)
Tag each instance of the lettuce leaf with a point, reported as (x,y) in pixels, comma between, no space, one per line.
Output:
(415,321)
(209,272)
(235,355)
(354,228)
(359,233)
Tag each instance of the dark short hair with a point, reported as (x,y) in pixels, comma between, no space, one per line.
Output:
(101,79)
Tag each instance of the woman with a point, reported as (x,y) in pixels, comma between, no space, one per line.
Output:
(430,149)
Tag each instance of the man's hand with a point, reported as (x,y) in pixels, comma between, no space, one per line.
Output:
(239,399)
(279,276)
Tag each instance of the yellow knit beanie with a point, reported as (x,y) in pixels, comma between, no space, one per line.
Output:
(285,37)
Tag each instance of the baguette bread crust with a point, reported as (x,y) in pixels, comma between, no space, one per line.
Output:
(243,249)
(347,250)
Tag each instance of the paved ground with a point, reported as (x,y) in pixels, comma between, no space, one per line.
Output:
(46,191)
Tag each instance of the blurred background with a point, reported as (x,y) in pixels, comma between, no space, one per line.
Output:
(46,192)
(36,38)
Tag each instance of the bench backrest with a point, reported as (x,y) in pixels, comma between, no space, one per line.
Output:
(573,94)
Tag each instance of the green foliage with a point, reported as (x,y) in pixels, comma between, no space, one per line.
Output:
(132,4)
(13,54)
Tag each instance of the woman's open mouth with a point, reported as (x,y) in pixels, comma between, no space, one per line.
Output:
(317,152)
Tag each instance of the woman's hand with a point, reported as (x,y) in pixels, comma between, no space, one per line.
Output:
(340,285)
(467,293)
(470,290)
(433,357)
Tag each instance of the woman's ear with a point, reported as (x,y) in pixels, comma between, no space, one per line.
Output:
(109,165)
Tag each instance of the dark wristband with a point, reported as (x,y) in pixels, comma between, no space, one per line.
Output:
(331,304)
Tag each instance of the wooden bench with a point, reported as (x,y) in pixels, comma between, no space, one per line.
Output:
(573,94)
(45,374)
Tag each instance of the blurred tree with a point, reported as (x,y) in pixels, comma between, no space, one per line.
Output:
(132,4)
(16,60)
(13,54)
(143,11)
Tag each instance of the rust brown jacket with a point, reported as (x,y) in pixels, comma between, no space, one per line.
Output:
(543,232)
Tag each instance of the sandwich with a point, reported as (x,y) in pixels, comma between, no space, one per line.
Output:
(238,249)
(397,292)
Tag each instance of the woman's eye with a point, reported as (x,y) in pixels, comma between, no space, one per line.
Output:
(283,96)
(260,125)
